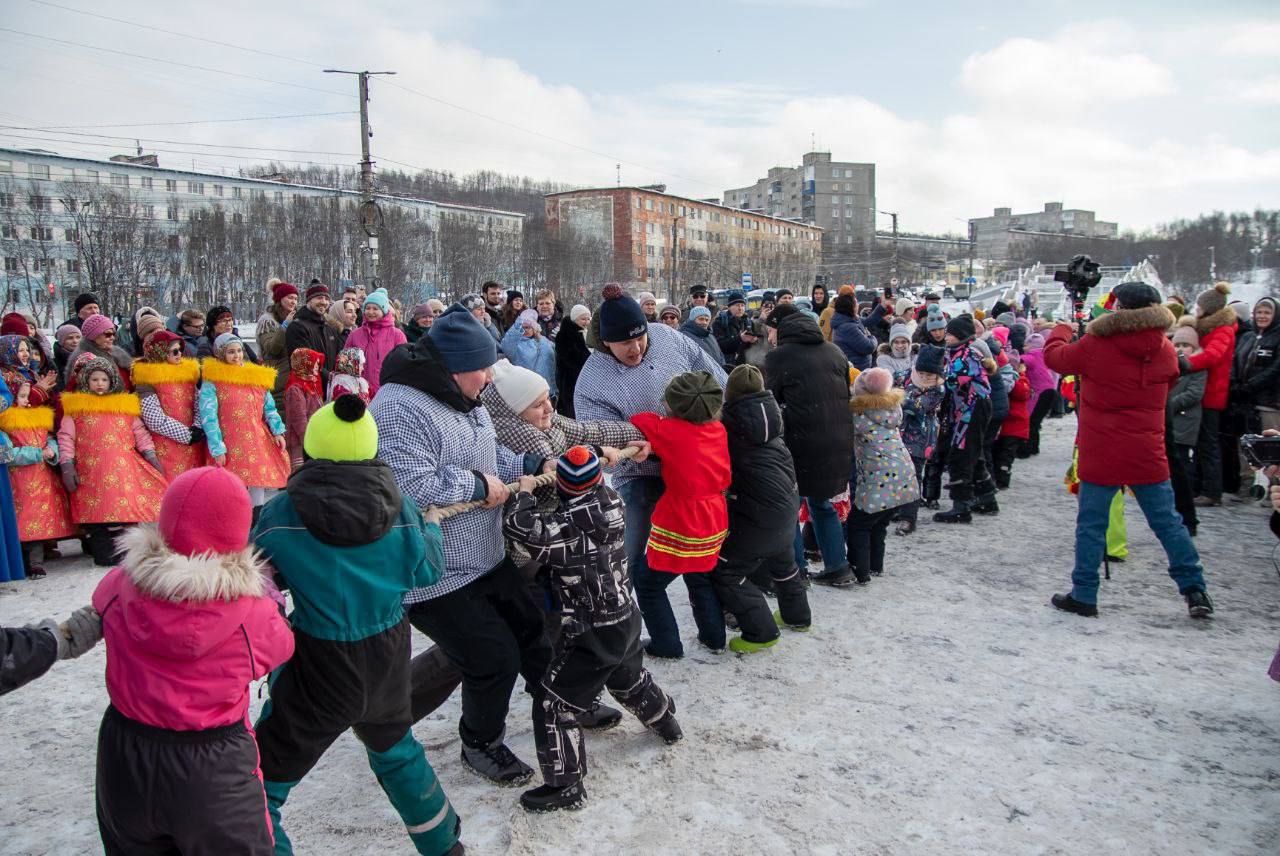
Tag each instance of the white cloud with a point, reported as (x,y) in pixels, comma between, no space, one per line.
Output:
(1266,91)
(1081,65)
(1256,38)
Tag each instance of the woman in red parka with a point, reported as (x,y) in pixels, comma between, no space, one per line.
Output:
(1125,367)
(1216,325)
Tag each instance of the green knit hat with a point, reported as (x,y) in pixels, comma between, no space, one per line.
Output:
(694,397)
(743,380)
(342,431)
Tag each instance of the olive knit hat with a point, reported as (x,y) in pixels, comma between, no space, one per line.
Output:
(694,397)
(342,430)
(743,381)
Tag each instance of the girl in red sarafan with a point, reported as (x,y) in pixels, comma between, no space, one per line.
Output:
(691,519)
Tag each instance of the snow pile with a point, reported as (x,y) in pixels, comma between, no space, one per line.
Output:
(945,708)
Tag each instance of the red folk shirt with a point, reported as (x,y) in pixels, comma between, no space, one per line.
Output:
(691,520)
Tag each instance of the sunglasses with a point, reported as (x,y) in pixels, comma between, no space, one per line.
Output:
(109,335)
(175,350)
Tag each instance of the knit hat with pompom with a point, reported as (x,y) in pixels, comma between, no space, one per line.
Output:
(1213,300)
(621,318)
(577,471)
(875,381)
(342,430)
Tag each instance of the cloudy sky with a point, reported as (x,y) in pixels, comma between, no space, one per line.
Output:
(1143,111)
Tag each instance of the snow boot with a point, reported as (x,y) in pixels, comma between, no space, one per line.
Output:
(799,628)
(838,578)
(35,572)
(958,513)
(1067,603)
(599,717)
(550,798)
(1198,604)
(712,648)
(666,727)
(905,527)
(496,763)
(986,505)
(862,578)
(730,620)
(738,645)
(647,645)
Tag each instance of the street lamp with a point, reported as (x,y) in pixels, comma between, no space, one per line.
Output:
(1213,266)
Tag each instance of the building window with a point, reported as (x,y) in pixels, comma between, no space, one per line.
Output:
(10,264)
(237,218)
(73,266)
(6,200)
(196,187)
(119,180)
(257,193)
(648,273)
(39,203)
(648,204)
(175,269)
(146,182)
(277,196)
(175,242)
(648,250)
(171,185)
(38,170)
(835,173)
(69,235)
(41,264)
(217,190)
(172,212)
(848,239)
(149,211)
(637,203)
(10,232)
(848,173)
(237,193)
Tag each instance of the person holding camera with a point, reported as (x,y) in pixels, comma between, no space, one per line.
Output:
(1125,367)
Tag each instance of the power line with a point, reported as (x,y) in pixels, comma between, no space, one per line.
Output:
(171,62)
(63,128)
(272,54)
(179,142)
(257,158)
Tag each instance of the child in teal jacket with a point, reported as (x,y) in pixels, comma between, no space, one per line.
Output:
(348,546)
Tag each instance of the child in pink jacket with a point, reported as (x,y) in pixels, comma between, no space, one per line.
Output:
(189,622)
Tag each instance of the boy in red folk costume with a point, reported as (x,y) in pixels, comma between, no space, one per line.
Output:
(108,460)
(40,503)
(165,382)
(189,622)
(691,519)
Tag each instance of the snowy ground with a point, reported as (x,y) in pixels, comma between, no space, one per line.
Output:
(946,708)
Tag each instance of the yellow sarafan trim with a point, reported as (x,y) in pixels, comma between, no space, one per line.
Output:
(155,374)
(216,371)
(17,418)
(124,403)
(684,539)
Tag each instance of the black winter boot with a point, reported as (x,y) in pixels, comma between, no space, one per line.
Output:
(497,763)
(838,578)
(600,717)
(958,513)
(1067,603)
(1198,604)
(667,728)
(551,798)
(986,505)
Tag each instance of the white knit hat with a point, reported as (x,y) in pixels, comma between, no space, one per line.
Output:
(577,311)
(519,387)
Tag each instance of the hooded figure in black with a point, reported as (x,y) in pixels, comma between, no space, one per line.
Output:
(571,353)
(762,504)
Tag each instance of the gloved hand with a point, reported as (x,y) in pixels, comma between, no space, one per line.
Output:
(1184,364)
(154,460)
(84,628)
(197,435)
(64,644)
(70,480)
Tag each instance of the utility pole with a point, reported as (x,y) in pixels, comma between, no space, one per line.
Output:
(671,285)
(370,216)
(1213,266)
(894,215)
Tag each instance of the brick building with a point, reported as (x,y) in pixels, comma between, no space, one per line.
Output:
(665,243)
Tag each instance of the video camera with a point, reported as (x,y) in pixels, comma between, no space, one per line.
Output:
(1082,274)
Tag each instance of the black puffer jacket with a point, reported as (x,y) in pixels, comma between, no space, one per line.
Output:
(571,353)
(582,545)
(809,378)
(763,502)
(309,330)
(1255,371)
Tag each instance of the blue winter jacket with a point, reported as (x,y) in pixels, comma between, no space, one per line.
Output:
(536,354)
(858,345)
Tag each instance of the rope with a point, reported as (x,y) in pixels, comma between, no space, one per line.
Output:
(441,513)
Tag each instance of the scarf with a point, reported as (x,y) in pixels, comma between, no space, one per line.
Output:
(87,364)
(12,363)
(350,362)
(304,373)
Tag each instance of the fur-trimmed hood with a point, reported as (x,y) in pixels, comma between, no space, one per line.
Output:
(873,401)
(1133,321)
(160,573)
(1222,318)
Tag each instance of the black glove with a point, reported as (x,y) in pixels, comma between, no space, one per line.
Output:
(1184,364)
(70,480)
(197,436)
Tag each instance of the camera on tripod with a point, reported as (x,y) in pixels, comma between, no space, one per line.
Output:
(1082,274)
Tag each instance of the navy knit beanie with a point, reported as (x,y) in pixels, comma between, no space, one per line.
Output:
(931,359)
(463,342)
(621,318)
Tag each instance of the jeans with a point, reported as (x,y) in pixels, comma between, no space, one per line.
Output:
(639,496)
(1156,502)
(828,531)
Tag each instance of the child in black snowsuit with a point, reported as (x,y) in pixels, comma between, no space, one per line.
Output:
(581,544)
(763,505)
(968,411)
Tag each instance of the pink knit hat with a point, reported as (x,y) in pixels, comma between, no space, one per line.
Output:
(206,510)
(1001,333)
(95,325)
